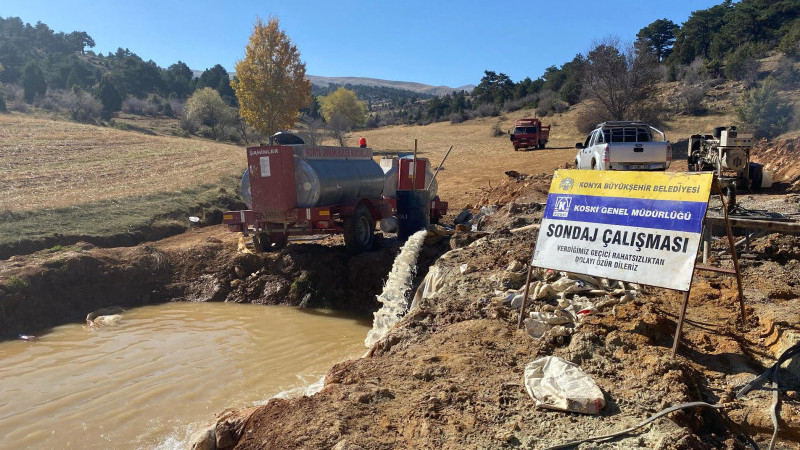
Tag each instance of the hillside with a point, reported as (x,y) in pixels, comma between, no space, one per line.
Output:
(405,85)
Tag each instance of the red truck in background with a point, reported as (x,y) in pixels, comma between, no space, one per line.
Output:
(529,133)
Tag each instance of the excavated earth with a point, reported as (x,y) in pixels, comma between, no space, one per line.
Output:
(450,374)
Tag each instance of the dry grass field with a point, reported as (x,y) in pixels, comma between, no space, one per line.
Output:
(62,182)
(56,164)
(479,160)
(61,178)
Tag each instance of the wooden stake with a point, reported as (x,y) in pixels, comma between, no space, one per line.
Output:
(525,296)
(679,329)
(428,187)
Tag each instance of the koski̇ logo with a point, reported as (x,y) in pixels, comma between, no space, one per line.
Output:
(562,206)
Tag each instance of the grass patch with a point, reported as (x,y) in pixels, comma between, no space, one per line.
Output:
(123,221)
(15,284)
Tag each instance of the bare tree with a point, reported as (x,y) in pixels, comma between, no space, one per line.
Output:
(620,80)
(313,130)
(339,126)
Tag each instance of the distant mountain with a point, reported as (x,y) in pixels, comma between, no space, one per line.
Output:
(406,85)
(375,82)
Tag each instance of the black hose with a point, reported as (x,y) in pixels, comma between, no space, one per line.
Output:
(628,430)
(773,373)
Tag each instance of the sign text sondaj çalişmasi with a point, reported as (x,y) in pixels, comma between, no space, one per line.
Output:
(640,227)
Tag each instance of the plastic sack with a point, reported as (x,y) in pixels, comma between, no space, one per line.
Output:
(555,383)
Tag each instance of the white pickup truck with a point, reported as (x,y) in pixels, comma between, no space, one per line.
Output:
(624,146)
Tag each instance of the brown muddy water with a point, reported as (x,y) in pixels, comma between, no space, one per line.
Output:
(163,372)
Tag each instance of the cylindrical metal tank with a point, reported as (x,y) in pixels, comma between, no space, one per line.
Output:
(321,182)
(390,183)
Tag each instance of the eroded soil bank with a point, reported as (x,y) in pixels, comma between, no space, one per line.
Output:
(64,284)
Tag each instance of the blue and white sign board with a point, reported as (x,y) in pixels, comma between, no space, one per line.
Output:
(640,227)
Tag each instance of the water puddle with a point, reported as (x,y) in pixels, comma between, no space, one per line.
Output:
(163,371)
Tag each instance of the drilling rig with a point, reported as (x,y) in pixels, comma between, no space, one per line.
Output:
(726,152)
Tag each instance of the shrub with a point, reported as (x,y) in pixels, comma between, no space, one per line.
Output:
(19,106)
(763,111)
(589,117)
(689,99)
(786,73)
(790,43)
(139,107)
(190,124)
(13,92)
(485,110)
(457,117)
(81,105)
(693,72)
(496,130)
(550,103)
(177,106)
(3,107)
(530,100)
(741,65)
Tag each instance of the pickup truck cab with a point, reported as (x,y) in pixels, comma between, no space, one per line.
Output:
(624,145)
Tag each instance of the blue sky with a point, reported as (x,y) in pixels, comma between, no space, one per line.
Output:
(431,42)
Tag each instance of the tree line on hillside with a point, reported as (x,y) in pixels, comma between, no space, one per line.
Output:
(619,81)
(60,72)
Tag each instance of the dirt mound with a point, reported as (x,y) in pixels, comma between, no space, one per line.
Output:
(780,157)
(450,375)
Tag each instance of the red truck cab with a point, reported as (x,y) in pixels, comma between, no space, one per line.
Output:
(529,133)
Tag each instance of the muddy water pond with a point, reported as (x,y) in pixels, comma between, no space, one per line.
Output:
(163,371)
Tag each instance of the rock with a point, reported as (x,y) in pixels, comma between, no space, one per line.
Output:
(463,217)
(108,311)
(788,339)
(516,266)
(240,272)
(204,439)
(235,283)
(106,321)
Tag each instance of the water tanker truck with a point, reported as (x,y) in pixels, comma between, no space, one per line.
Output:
(303,190)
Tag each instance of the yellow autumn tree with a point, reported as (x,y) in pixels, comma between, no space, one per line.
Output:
(270,81)
(343,111)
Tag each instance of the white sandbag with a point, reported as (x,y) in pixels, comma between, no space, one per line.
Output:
(540,322)
(555,383)
(766,179)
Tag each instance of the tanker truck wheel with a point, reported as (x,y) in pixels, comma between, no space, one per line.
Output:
(359,230)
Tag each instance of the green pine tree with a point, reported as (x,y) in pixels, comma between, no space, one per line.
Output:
(33,82)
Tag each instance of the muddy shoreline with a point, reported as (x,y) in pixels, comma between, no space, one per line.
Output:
(49,288)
